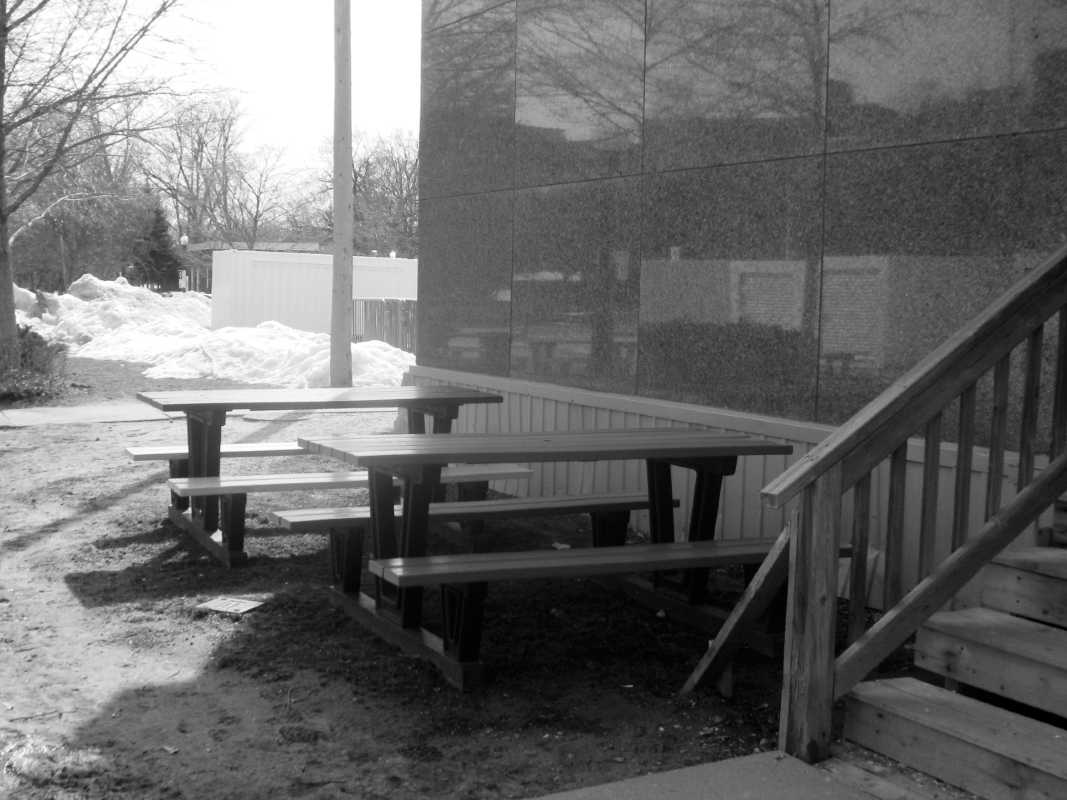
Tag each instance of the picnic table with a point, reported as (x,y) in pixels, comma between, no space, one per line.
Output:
(402,564)
(205,413)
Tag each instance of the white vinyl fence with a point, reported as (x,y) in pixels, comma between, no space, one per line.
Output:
(251,286)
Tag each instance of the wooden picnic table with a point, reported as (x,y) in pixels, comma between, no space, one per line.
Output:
(205,412)
(417,462)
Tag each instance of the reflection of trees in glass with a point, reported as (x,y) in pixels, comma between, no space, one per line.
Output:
(573,249)
(468,94)
(469,49)
(580,68)
(758,64)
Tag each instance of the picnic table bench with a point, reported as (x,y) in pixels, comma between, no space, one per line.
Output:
(233,491)
(402,565)
(349,526)
(205,413)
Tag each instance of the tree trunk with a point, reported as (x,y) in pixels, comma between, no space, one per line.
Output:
(9,334)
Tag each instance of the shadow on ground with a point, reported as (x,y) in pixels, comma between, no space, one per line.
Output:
(297,700)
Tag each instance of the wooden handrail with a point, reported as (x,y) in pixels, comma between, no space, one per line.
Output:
(881,426)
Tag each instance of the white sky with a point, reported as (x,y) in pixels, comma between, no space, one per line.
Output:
(278,58)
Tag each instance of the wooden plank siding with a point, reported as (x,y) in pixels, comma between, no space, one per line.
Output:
(538,406)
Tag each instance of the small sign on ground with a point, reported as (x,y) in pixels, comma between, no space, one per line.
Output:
(235,606)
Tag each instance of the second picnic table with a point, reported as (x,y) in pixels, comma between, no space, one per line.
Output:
(205,413)
(399,551)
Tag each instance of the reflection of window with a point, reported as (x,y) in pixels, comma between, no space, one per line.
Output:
(767,292)
(853,308)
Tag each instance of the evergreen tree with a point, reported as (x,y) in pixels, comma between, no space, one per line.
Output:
(156,260)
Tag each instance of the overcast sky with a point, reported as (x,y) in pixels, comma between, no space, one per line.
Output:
(278,58)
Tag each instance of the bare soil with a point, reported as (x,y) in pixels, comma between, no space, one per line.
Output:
(114,685)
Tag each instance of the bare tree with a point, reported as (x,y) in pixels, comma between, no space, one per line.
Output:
(386,195)
(193,160)
(250,197)
(60,63)
(214,189)
(385,174)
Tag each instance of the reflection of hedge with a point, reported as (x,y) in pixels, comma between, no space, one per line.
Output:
(742,365)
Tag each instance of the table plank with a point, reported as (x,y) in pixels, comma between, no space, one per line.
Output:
(678,445)
(323,397)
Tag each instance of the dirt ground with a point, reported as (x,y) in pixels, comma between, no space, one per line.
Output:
(114,685)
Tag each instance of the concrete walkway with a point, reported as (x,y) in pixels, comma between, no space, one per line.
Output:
(112,411)
(764,776)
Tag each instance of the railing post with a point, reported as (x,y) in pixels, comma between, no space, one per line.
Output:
(808,685)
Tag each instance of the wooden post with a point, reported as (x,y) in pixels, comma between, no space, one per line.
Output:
(808,685)
(341,317)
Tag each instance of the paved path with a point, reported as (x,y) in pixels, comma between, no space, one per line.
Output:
(112,411)
(764,776)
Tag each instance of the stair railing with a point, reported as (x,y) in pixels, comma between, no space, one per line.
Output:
(945,383)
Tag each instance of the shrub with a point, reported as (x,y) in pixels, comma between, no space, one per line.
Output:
(40,371)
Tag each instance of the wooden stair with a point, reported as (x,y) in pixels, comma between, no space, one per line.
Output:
(1013,646)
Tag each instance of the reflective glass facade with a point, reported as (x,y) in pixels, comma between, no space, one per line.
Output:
(771,207)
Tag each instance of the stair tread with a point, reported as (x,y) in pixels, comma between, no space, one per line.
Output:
(1022,637)
(1027,741)
(1051,561)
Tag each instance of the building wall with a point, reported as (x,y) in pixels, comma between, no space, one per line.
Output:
(774,208)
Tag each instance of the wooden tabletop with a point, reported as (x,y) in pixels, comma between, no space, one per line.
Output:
(484,448)
(284,399)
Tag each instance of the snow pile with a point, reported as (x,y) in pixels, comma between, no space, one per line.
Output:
(114,321)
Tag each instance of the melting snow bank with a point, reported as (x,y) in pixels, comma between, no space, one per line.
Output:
(114,321)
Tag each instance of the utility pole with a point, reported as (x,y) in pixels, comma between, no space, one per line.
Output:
(341,316)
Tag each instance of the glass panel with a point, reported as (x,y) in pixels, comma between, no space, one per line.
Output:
(464,273)
(467,130)
(733,80)
(574,293)
(578,109)
(919,241)
(919,70)
(730,286)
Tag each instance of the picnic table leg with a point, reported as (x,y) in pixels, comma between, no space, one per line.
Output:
(660,507)
(707,492)
(609,527)
(420,487)
(383,530)
(179,468)
(462,610)
(660,501)
(232,524)
(346,558)
(443,416)
(205,446)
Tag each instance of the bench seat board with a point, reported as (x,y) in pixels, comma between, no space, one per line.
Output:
(180,451)
(300,520)
(576,562)
(278,482)
(345,479)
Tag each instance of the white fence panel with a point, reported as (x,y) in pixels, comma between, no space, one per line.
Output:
(251,286)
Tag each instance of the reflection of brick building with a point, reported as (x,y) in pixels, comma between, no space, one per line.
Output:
(1050,85)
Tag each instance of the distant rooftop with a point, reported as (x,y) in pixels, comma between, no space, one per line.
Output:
(278,247)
